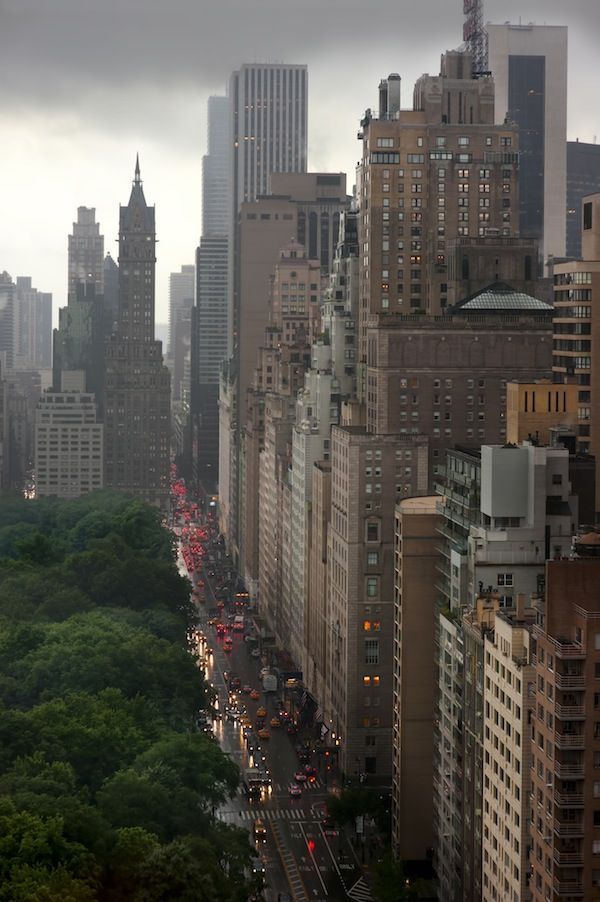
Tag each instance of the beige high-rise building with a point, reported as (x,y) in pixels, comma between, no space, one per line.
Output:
(316,612)
(301,206)
(367,473)
(508,680)
(69,441)
(438,172)
(416,556)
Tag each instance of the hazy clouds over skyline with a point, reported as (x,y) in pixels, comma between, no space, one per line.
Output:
(87,83)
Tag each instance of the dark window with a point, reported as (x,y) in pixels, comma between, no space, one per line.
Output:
(526,105)
(587,216)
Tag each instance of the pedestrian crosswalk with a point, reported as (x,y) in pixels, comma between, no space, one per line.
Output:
(265,814)
(283,787)
(360,892)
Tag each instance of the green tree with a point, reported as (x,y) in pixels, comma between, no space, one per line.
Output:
(32,848)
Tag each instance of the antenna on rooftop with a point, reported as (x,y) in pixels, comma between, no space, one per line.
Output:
(475,36)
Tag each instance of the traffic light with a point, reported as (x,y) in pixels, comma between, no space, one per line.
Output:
(311,845)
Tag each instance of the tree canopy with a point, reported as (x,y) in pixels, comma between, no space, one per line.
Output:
(107,792)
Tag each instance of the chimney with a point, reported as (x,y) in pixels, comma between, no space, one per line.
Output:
(393,95)
(383,98)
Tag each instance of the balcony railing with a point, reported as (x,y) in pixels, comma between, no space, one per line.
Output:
(567,828)
(569,799)
(569,740)
(562,649)
(568,771)
(569,712)
(569,681)
(568,888)
(568,859)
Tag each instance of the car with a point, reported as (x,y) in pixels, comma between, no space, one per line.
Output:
(246,690)
(263,733)
(255,695)
(258,868)
(300,776)
(208,651)
(227,649)
(260,830)
(275,722)
(261,712)
(292,729)
(294,790)
(310,771)
(255,653)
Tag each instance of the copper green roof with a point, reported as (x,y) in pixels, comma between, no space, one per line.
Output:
(502,298)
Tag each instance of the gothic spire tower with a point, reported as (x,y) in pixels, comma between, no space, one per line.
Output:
(137,259)
(138,391)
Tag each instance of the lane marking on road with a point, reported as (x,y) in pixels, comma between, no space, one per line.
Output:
(288,861)
(314,861)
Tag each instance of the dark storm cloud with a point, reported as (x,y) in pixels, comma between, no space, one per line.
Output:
(54,51)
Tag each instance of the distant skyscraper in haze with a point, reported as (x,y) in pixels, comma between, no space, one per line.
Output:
(33,326)
(269,115)
(181,296)
(216,164)
(583,178)
(111,289)
(137,386)
(86,322)
(210,313)
(86,252)
(7,317)
(529,66)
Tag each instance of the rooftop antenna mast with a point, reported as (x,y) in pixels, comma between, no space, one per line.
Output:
(475,36)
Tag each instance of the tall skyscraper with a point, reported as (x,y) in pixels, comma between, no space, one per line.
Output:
(583,178)
(267,134)
(216,169)
(7,320)
(181,295)
(137,384)
(209,323)
(86,322)
(86,252)
(32,326)
(269,119)
(181,301)
(529,66)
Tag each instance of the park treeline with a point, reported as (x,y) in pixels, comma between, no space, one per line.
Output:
(106,790)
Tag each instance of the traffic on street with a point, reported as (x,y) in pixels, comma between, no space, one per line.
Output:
(285,776)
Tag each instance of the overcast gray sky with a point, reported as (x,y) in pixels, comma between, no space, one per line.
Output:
(85,84)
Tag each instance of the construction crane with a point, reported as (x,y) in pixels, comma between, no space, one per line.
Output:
(475,36)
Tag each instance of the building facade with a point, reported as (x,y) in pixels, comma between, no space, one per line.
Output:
(576,352)
(137,387)
(68,441)
(529,67)
(583,178)
(415,600)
